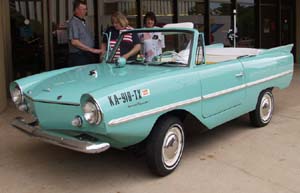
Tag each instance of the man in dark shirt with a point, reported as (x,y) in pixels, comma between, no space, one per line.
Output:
(81,42)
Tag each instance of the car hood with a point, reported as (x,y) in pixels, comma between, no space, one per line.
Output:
(67,87)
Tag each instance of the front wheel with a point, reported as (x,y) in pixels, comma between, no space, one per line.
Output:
(263,112)
(165,146)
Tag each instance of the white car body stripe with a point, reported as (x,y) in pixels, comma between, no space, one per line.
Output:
(153,111)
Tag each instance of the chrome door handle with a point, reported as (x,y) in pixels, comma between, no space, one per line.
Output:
(239,74)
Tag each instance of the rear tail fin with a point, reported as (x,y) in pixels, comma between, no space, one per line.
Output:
(285,48)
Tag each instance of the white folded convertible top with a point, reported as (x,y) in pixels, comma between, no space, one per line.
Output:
(232,51)
(180,25)
(214,55)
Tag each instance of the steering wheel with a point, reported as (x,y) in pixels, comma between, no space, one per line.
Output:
(169,53)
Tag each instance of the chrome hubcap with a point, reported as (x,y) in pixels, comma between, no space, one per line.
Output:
(172,146)
(266,108)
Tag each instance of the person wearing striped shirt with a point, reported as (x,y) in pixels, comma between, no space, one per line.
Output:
(130,45)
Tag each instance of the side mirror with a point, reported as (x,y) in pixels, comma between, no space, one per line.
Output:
(120,62)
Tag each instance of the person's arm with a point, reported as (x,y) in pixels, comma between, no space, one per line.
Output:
(102,49)
(133,51)
(104,43)
(74,34)
(81,46)
(136,48)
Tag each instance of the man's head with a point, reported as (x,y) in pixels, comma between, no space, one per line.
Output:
(79,8)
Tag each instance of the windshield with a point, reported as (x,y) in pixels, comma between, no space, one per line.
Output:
(153,47)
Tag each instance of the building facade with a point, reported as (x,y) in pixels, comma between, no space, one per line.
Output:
(34,35)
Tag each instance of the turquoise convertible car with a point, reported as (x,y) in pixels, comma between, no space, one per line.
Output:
(127,103)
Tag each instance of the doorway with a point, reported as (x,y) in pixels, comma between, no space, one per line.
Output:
(268,25)
(286,22)
(27,35)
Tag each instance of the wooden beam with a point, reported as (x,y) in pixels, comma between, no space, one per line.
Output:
(19,4)
(67,9)
(27,9)
(35,10)
(42,14)
(139,13)
(96,26)
(57,15)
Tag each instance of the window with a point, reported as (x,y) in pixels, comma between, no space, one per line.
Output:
(163,10)
(192,11)
(220,21)
(127,7)
(246,23)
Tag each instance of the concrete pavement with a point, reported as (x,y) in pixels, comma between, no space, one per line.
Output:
(233,158)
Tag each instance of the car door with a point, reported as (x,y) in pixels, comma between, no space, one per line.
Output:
(222,86)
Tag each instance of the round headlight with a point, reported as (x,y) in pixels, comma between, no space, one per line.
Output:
(16,95)
(92,113)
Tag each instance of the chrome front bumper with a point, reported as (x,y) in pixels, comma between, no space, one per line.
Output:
(75,144)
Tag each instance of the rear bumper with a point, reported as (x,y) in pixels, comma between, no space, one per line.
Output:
(83,146)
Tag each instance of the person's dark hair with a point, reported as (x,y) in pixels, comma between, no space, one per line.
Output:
(151,16)
(76,3)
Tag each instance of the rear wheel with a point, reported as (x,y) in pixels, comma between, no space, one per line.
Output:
(263,112)
(165,146)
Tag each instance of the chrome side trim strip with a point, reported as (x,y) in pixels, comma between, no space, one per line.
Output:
(153,111)
(193,100)
(269,78)
(222,92)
